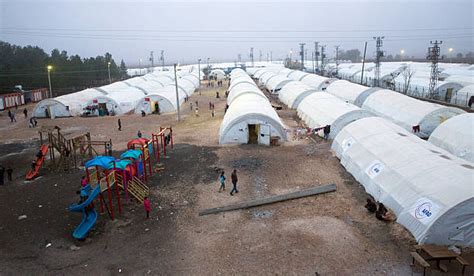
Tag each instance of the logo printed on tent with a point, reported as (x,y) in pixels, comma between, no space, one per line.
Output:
(424,210)
(374,168)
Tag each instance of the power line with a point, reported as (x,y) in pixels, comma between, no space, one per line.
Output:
(241,31)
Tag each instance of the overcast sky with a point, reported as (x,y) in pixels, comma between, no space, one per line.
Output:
(220,30)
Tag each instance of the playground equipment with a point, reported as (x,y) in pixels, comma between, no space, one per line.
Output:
(100,165)
(163,138)
(146,147)
(134,185)
(32,173)
(72,151)
(89,215)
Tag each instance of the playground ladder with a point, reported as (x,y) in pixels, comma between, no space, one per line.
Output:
(138,189)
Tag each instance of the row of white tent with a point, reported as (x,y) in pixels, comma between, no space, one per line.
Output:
(426,184)
(455,85)
(250,117)
(146,93)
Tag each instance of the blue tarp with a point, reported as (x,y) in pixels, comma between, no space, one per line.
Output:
(101,161)
(134,154)
(120,164)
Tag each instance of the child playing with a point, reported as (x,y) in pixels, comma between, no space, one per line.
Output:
(222,180)
(147,205)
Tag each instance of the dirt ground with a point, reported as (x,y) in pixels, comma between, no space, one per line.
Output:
(330,234)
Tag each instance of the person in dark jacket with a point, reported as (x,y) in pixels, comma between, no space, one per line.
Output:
(371,206)
(234,179)
(327,130)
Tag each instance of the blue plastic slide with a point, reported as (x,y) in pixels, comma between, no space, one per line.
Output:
(89,215)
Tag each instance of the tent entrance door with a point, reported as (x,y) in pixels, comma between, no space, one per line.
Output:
(103,109)
(253,134)
(449,94)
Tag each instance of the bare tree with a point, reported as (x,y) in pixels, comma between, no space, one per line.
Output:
(407,75)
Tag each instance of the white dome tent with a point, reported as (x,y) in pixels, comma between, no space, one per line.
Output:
(66,105)
(294,92)
(408,112)
(118,101)
(318,82)
(165,97)
(345,90)
(456,135)
(218,74)
(321,109)
(463,96)
(250,119)
(275,83)
(429,189)
(265,77)
(297,75)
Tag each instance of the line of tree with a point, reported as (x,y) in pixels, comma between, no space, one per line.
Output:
(27,66)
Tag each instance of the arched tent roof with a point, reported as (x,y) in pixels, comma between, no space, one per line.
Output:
(259,73)
(321,109)
(275,83)
(249,109)
(135,81)
(194,79)
(265,77)
(456,135)
(285,72)
(148,87)
(120,99)
(244,88)
(249,70)
(443,89)
(241,81)
(294,92)
(315,81)
(297,75)
(408,112)
(462,96)
(165,97)
(345,90)
(66,105)
(239,71)
(429,189)
(218,73)
(186,85)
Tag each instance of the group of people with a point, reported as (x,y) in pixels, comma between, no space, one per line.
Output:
(381,212)
(234,179)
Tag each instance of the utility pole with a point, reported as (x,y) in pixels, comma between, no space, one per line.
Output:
(363,64)
(108,69)
(208,72)
(302,55)
(434,53)
(337,59)
(152,59)
(251,56)
(260,55)
(49,80)
(239,58)
(378,57)
(199,75)
(271,56)
(268,57)
(162,59)
(312,60)
(177,94)
(323,60)
(316,54)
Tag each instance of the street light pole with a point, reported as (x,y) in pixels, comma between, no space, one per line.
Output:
(401,55)
(177,95)
(49,81)
(208,69)
(199,72)
(450,55)
(108,68)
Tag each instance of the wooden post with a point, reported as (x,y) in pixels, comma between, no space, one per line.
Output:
(117,189)
(171,136)
(144,164)
(98,179)
(125,184)
(109,193)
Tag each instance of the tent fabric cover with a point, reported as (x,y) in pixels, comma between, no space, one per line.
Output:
(429,189)
(408,112)
(321,109)
(346,90)
(294,92)
(456,135)
(100,161)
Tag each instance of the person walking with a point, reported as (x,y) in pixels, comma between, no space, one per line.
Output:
(222,180)
(191,106)
(119,125)
(147,206)
(25,112)
(13,117)
(234,179)
(139,134)
(327,130)
(197,111)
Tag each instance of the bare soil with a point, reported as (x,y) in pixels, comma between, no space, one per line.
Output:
(330,234)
